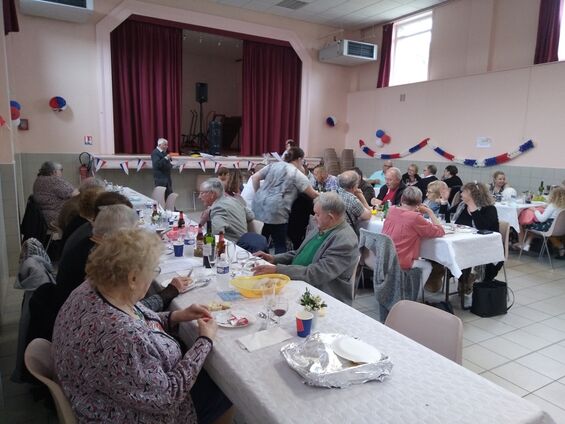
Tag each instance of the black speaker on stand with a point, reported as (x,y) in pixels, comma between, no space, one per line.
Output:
(201,97)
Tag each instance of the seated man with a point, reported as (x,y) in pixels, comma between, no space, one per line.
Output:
(364,186)
(356,207)
(322,181)
(226,213)
(377,178)
(430,172)
(326,257)
(392,190)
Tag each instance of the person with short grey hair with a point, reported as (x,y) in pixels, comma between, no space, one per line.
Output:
(412,196)
(112,218)
(51,191)
(356,206)
(226,213)
(321,180)
(161,163)
(328,255)
(70,210)
(392,190)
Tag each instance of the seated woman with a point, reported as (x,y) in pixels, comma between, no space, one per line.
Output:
(411,177)
(555,204)
(51,191)
(437,193)
(475,210)
(500,188)
(115,358)
(406,226)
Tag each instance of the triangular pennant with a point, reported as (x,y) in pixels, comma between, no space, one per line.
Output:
(216,167)
(277,156)
(250,165)
(2,121)
(124,166)
(181,167)
(140,164)
(99,164)
(236,165)
(202,164)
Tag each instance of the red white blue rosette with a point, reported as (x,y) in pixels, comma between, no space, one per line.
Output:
(57,103)
(331,121)
(15,109)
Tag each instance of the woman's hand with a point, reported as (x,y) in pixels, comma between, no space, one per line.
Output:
(181,283)
(376,202)
(423,209)
(191,313)
(265,256)
(207,328)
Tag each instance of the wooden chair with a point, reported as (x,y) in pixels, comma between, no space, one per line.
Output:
(438,330)
(557,229)
(39,362)
(171,201)
(159,195)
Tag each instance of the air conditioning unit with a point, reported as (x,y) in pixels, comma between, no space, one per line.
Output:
(63,10)
(348,52)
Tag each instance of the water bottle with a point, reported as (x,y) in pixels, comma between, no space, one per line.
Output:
(223,273)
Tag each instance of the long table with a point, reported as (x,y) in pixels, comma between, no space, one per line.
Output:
(510,212)
(454,251)
(424,387)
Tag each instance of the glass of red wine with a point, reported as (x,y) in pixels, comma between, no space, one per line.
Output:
(279,307)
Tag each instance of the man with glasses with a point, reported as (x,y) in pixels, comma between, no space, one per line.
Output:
(377,179)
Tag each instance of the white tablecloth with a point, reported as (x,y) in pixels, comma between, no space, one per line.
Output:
(424,387)
(455,251)
(509,212)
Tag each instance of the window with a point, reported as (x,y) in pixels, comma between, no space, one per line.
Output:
(411,49)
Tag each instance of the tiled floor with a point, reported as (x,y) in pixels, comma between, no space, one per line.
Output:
(522,351)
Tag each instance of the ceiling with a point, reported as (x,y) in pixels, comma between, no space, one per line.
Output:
(343,14)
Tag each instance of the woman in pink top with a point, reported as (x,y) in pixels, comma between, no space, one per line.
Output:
(406,226)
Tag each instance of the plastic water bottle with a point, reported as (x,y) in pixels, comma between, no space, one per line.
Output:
(223,273)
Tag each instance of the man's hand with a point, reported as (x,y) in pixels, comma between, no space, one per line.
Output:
(264,269)
(265,256)
(376,202)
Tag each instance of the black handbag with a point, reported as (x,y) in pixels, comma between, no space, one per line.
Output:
(490,298)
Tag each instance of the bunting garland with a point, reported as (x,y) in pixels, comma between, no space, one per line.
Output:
(492,161)
(181,167)
(99,163)
(387,156)
(140,165)
(202,164)
(236,165)
(250,165)
(124,166)
(216,167)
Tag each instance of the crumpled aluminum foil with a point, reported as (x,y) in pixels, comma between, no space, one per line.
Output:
(319,365)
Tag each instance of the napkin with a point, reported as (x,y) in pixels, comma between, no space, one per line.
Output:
(263,338)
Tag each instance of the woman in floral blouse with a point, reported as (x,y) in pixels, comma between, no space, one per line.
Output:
(115,358)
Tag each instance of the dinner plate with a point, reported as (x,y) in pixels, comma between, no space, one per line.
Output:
(355,350)
(465,229)
(226,319)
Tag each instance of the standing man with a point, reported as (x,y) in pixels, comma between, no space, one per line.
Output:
(161,162)
(378,177)
(429,176)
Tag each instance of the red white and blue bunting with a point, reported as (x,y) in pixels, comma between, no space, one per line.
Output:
(492,161)
(387,156)
(125,167)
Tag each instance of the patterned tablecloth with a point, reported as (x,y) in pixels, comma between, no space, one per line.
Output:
(424,387)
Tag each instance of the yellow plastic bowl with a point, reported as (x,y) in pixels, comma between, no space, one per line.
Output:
(251,286)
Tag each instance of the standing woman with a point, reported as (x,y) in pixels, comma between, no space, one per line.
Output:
(51,191)
(411,177)
(282,182)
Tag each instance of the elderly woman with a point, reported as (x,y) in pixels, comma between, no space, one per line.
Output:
(437,193)
(406,226)
(51,191)
(411,176)
(282,181)
(86,211)
(475,210)
(115,358)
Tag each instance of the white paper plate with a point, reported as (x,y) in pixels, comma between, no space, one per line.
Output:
(465,229)
(222,318)
(355,350)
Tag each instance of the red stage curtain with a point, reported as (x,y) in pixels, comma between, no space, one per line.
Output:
(10,16)
(271,97)
(386,48)
(549,24)
(146,83)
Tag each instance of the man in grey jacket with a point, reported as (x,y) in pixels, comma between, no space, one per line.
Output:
(227,213)
(327,256)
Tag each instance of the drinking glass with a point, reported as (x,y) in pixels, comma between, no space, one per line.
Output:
(441,217)
(268,295)
(212,261)
(279,307)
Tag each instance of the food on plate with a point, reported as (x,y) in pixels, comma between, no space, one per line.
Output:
(259,283)
(218,306)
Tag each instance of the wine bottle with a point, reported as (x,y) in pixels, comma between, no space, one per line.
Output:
(154,215)
(541,188)
(209,247)
(385,208)
(198,250)
(181,222)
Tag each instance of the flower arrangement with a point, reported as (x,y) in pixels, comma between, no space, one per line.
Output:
(312,303)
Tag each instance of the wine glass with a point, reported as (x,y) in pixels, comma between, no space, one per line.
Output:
(242,256)
(268,295)
(212,260)
(279,307)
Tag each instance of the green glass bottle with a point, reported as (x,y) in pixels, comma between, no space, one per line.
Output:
(209,248)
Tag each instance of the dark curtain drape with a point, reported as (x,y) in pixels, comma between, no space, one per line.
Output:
(147,86)
(386,48)
(271,97)
(549,24)
(10,16)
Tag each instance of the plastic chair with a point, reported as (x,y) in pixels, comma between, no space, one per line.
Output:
(159,195)
(171,201)
(456,199)
(39,362)
(504,229)
(255,226)
(557,229)
(438,330)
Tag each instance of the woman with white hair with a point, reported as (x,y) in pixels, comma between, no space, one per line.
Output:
(51,191)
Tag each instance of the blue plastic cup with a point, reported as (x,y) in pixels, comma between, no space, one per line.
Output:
(304,323)
(178,249)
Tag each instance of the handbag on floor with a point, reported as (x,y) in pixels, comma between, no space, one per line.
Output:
(490,298)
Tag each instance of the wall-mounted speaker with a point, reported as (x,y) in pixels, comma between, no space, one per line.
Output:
(201,92)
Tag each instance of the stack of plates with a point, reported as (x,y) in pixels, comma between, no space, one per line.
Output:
(347,161)
(330,161)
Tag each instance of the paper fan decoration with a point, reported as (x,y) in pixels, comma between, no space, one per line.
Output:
(331,121)
(58,104)
(15,109)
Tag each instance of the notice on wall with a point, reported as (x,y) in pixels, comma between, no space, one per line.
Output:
(484,142)
(88,140)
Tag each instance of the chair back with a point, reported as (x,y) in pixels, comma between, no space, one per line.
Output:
(171,201)
(159,195)
(34,223)
(39,362)
(558,226)
(438,330)
(454,190)
(354,278)
(255,226)
(456,198)
(504,229)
